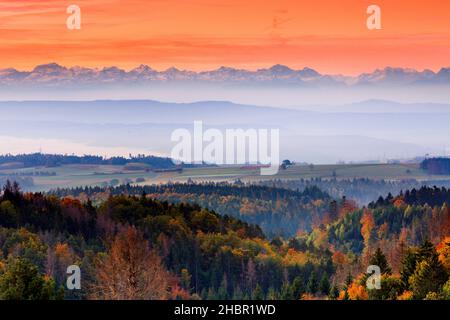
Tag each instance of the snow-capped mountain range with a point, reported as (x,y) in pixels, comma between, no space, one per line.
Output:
(55,74)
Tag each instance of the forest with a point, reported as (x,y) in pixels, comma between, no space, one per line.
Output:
(436,165)
(278,211)
(54,160)
(131,244)
(362,190)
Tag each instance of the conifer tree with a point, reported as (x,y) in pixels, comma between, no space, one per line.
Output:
(379,259)
(297,288)
(258,293)
(324,285)
(312,285)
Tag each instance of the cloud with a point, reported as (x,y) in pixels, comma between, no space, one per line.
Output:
(201,34)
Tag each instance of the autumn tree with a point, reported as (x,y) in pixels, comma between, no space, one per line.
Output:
(357,291)
(22,280)
(130,270)
(367,225)
(443,250)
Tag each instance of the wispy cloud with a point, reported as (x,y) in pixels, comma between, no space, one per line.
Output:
(198,34)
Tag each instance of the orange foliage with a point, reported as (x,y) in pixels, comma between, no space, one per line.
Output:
(443,249)
(62,249)
(70,202)
(399,203)
(407,295)
(295,258)
(368,223)
(308,296)
(130,270)
(339,258)
(357,292)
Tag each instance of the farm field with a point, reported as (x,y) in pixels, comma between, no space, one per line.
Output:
(102,175)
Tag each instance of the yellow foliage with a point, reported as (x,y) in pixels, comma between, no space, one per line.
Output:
(293,257)
(237,252)
(321,238)
(383,230)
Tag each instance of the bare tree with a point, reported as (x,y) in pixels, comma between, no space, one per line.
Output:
(130,270)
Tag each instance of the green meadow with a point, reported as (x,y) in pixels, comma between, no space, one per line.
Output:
(101,175)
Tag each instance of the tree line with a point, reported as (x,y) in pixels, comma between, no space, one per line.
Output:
(54,160)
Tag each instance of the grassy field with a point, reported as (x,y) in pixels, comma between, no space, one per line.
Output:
(101,175)
(373,171)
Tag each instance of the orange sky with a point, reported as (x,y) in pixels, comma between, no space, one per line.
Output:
(328,35)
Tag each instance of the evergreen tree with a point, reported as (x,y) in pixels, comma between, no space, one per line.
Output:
(272,294)
(258,293)
(430,276)
(297,288)
(286,292)
(334,292)
(391,288)
(222,293)
(211,294)
(185,280)
(22,281)
(238,294)
(379,259)
(312,285)
(324,285)
(349,279)
(426,251)
(408,267)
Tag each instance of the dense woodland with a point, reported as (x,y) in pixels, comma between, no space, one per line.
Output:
(279,212)
(131,245)
(436,165)
(54,160)
(362,190)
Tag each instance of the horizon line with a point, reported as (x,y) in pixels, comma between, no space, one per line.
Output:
(105,67)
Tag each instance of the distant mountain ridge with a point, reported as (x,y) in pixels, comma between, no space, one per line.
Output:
(55,74)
